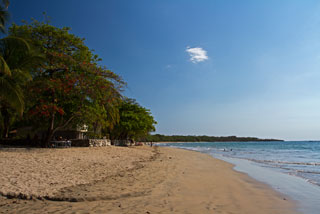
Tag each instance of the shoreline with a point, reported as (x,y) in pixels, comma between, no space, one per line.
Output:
(300,189)
(158,180)
(296,188)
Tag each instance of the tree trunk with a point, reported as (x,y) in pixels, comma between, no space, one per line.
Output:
(5,133)
(6,122)
(50,132)
(97,129)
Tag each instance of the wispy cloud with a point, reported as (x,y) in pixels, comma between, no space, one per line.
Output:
(197,54)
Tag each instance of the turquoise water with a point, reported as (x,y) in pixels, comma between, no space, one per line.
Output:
(292,168)
(297,158)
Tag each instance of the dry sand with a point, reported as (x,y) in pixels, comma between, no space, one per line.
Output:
(129,180)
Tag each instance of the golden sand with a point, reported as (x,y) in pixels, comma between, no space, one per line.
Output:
(129,180)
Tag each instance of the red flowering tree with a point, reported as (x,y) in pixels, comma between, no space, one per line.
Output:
(70,88)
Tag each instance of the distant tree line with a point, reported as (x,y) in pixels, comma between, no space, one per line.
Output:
(203,138)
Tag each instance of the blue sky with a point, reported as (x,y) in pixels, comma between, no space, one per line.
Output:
(213,67)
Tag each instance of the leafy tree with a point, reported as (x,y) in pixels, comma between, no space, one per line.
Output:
(135,121)
(17,59)
(4,15)
(70,88)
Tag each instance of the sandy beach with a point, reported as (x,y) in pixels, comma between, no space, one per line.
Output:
(129,180)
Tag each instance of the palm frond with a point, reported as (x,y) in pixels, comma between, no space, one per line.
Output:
(17,58)
(21,76)
(4,68)
(19,54)
(11,93)
(6,3)
(13,49)
(31,61)
(4,16)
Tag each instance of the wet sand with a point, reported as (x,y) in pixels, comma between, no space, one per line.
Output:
(129,180)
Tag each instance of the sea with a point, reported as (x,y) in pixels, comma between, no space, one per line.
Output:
(290,167)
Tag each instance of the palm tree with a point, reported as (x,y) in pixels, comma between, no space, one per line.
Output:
(17,58)
(4,15)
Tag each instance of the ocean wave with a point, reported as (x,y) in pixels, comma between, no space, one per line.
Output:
(285,162)
(309,180)
(309,172)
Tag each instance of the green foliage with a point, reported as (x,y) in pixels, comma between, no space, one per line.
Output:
(4,15)
(135,121)
(65,86)
(70,88)
(17,59)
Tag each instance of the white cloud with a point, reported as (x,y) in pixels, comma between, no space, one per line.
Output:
(197,54)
